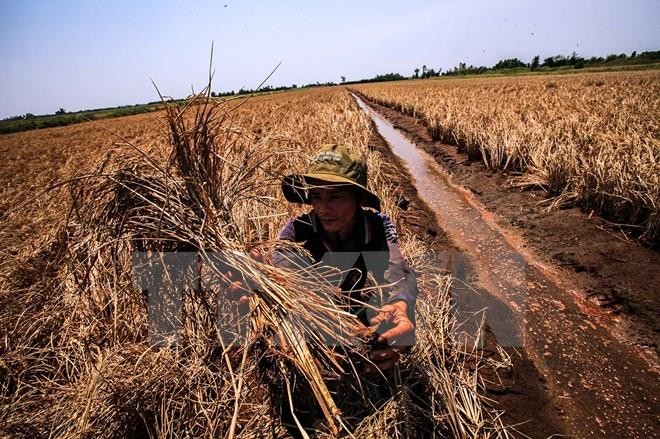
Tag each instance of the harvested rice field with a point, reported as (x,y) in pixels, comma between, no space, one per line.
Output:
(591,140)
(527,207)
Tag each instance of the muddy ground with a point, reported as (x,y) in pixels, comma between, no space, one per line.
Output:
(520,392)
(613,280)
(610,270)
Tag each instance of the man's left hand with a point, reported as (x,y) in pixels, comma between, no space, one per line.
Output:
(398,337)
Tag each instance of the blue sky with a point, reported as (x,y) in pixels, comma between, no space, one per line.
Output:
(90,54)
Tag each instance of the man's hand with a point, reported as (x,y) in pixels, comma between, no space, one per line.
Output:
(398,335)
(237,289)
(238,292)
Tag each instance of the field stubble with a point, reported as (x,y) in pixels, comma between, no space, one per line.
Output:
(75,356)
(591,140)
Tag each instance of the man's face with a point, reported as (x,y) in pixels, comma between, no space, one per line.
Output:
(335,208)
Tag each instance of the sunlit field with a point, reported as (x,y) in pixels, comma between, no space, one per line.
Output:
(78,201)
(591,139)
(78,356)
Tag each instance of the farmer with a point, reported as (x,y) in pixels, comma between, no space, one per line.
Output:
(345,229)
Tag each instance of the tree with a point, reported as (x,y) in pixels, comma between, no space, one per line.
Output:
(417,72)
(595,60)
(509,63)
(424,71)
(535,63)
(555,61)
(343,78)
(61,111)
(386,77)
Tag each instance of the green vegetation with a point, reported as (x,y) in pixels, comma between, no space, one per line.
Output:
(560,62)
(379,78)
(61,117)
(510,66)
(427,72)
(30,121)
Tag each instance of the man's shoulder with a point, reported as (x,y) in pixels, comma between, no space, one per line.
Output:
(297,226)
(389,228)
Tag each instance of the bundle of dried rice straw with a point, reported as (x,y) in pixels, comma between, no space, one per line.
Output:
(82,353)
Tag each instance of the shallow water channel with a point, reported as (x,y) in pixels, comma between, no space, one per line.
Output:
(598,385)
(489,271)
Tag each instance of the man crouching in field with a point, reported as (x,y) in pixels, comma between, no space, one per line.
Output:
(346,230)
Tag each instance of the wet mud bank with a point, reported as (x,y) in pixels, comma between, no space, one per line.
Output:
(572,375)
(614,277)
(520,392)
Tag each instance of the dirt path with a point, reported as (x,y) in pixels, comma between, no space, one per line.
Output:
(574,376)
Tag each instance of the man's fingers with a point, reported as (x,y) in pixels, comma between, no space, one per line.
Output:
(256,255)
(383,355)
(384,359)
(236,289)
(379,319)
(384,314)
(244,304)
(386,365)
(236,286)
(227,277)
(383,366)
(230,275)
(402,335)
(391,335)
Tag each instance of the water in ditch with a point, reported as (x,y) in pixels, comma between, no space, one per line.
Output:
(598,384)
(489,273)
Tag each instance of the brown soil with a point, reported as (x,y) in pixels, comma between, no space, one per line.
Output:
(613,281)
(610,270)
(521,393)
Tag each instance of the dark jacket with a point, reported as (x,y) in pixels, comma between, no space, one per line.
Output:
(371,247)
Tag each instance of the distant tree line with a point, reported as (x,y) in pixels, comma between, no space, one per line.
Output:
(427,72)
(378,78)
(613,59)
(247,91)
(61,117)
(573,61)
(558,61)
(21,117)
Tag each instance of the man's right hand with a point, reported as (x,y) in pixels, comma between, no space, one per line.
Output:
(238,292)
(237,289)
(397,338)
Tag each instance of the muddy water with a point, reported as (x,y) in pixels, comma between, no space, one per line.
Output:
(502,271)
(599,385)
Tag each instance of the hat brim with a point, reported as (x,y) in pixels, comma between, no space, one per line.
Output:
(296,188)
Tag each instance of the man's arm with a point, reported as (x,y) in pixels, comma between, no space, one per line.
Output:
(398,316)
(399,272)
(406,282)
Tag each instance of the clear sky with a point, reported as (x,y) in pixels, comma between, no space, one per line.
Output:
(88,54)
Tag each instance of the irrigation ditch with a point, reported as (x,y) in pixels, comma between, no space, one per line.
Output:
(572,374)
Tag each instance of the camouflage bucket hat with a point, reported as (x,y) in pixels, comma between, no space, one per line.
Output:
(332,165)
